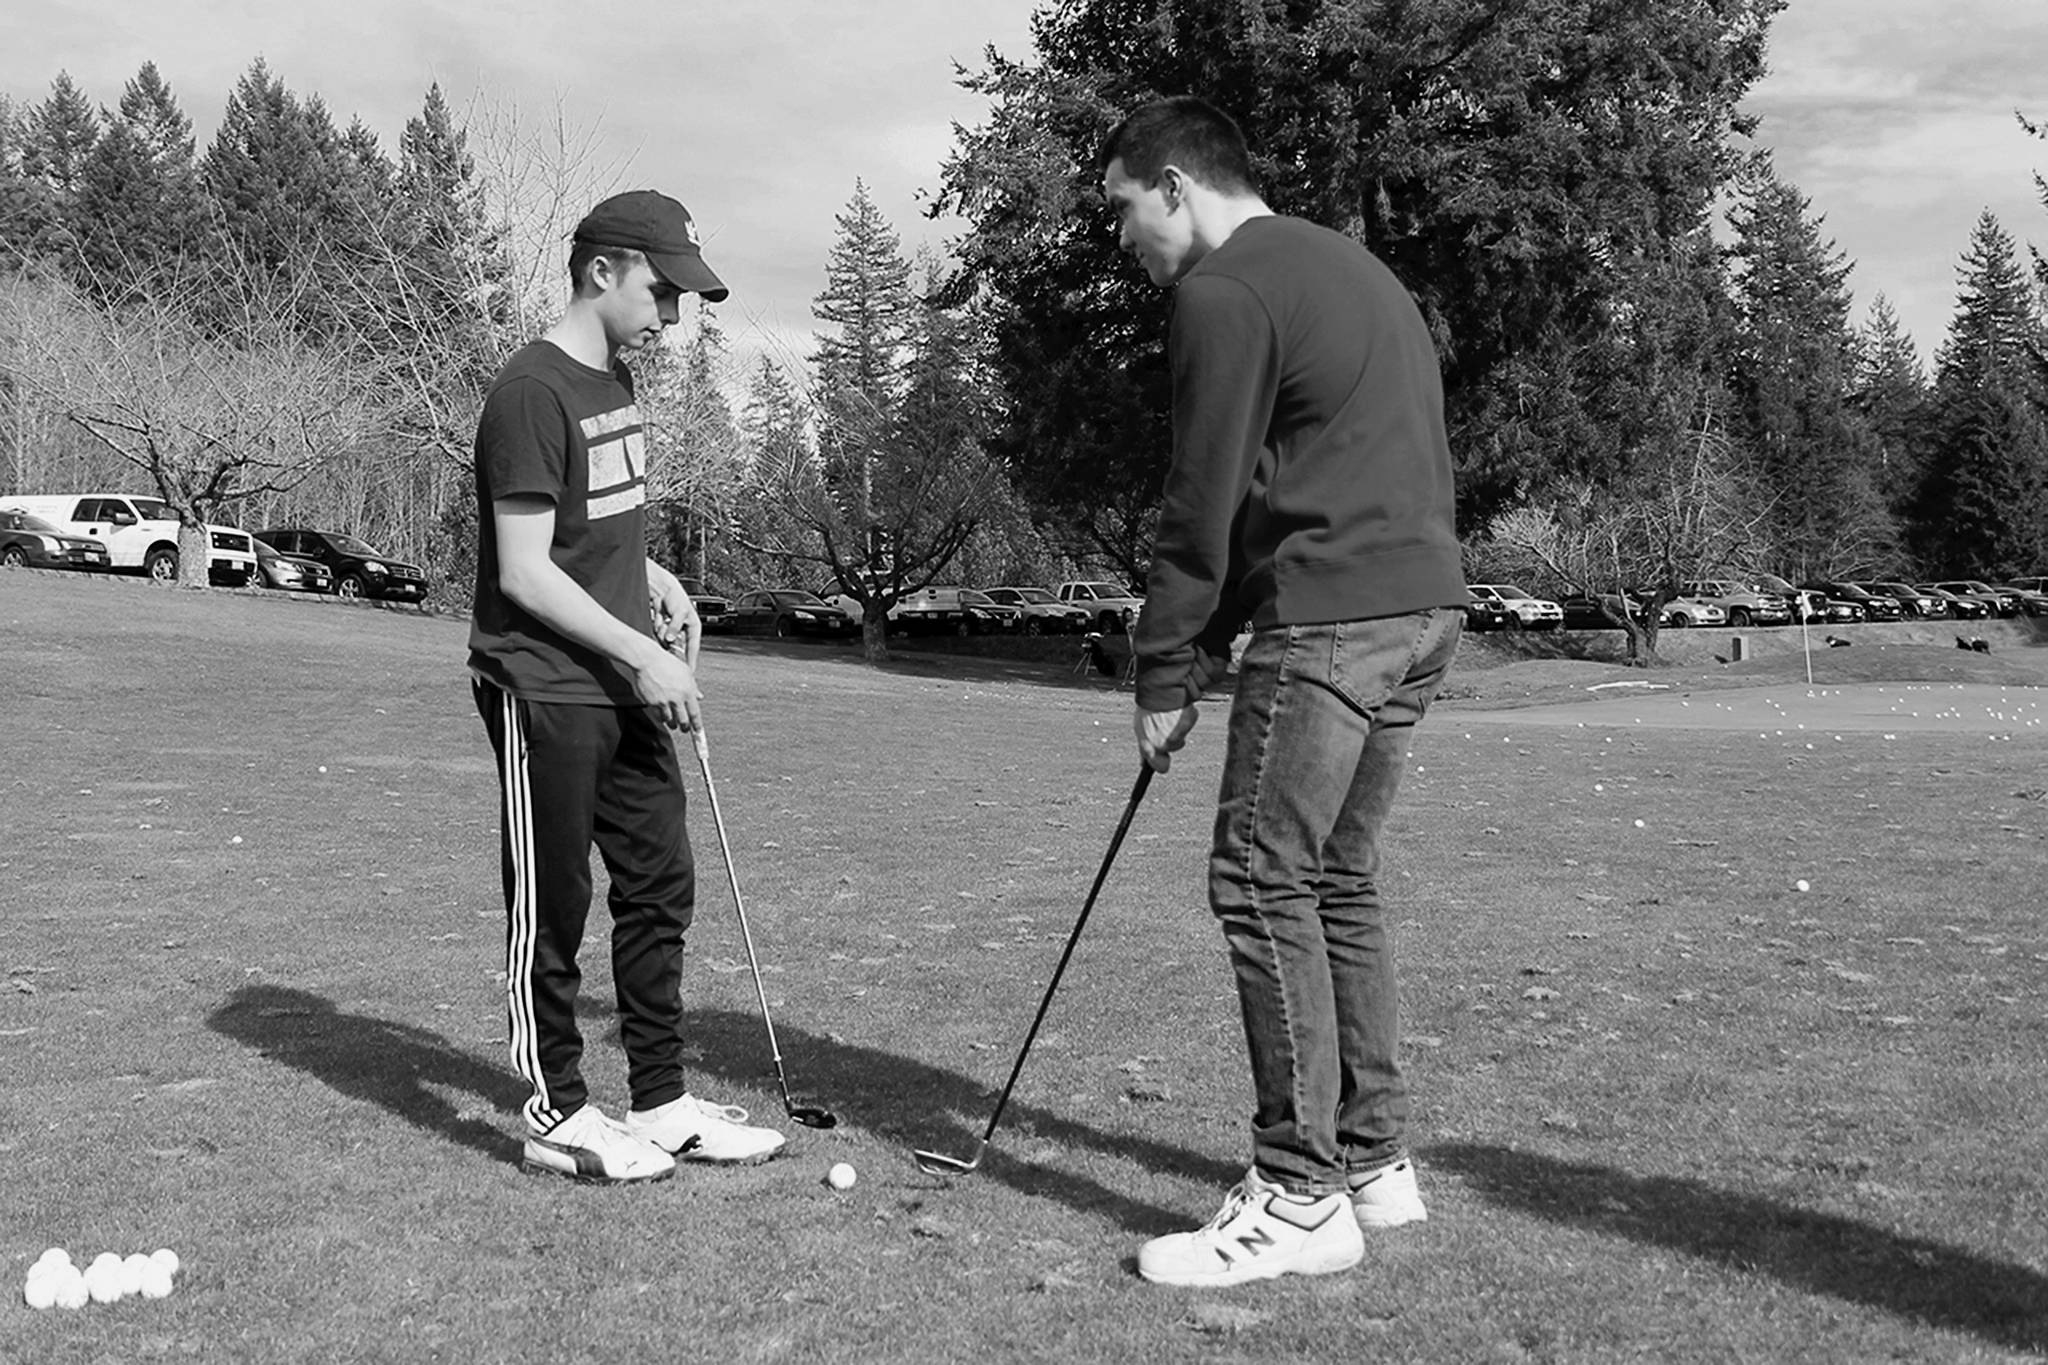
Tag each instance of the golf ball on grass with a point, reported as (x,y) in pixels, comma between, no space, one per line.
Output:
(1801,885)
(841,1176)
(41,1291)
(103,1279)
(71,1290)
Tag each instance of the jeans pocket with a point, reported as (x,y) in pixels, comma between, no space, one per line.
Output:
(1372,661)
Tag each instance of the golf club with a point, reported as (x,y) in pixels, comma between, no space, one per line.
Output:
(937,1163)
(809,1115)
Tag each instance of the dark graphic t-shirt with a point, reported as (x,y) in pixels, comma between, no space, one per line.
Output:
(557,429)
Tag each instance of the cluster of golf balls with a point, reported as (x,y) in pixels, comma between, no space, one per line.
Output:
(54,1282)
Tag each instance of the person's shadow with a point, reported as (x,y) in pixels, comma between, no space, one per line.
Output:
(403,1069)
(1818,1253)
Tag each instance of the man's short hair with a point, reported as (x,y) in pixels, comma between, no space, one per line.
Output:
(1184,131)
(582,253)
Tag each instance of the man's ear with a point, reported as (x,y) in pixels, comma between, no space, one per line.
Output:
(600,276)
(1173,186)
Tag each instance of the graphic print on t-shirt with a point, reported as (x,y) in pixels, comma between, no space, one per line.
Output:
(618,455)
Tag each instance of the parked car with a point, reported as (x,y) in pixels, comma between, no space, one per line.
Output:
(934,611)
(359,568)
(27,541)
(783,612)
(1682,612)
(1996,604)
(713,608)
(1960,608)
(2033,601)
(1043,613)
(2005,603)
(1530,612)
(1588,611)
(1745,605)
(1808,605)
(141,533)
(1876,606)
(290,573)
(1488,613)
(1105,603)
(1923,605)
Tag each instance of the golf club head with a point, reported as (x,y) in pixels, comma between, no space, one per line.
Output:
(810,1115)
(938,1163)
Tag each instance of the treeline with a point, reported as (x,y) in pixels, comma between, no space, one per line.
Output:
(1632,400)
(295,322)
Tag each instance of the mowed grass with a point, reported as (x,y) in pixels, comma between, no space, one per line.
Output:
(1668,1107)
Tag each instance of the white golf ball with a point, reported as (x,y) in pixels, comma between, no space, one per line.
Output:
(133,1268)
(40,1292)
(71,1290)
(103,1281)
(1801,885)
(1639,824)
(54,1256)
(166,1258)
(841,1176)
(156,1282)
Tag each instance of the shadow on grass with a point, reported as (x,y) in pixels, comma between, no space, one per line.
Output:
(917,1105)
(391,1065)
(402,1069)
(1941,1286)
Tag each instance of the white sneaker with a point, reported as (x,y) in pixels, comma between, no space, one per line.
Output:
(1387,1197)
(1261,1233)
(698,1130)
(588,1146)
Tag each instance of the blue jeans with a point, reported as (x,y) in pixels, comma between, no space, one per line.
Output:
(1319,734)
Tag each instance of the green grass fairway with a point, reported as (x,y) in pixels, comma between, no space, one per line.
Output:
(1668,1107)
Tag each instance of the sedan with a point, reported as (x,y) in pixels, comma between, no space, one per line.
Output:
(1875,608)
(1044,614)
(27,541)
(1960,608)
(1681,612)
(2003,603)
(290,573)
(1584,612)
(1920,604)
(783,612)
(1529,611)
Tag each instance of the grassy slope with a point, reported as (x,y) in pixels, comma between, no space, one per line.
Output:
(1749,1124)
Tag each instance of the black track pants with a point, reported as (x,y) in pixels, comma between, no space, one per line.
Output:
(569,776)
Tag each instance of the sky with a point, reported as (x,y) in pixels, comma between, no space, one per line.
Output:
(1894,117)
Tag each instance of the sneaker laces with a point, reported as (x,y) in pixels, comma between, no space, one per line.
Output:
(1233,1204)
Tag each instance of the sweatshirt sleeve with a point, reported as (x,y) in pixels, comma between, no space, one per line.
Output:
(1222,352)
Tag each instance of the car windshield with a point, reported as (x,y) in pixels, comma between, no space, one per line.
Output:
(153,509)
(1773,583)
(36,524)
(796,598)
(349,545)
(1031,594)
(979,599)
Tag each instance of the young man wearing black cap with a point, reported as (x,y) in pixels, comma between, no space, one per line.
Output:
(1310,494)
(579,694)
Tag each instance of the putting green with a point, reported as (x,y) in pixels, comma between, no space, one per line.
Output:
(1964,708)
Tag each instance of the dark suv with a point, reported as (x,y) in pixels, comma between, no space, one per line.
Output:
(714,610)
(359,569)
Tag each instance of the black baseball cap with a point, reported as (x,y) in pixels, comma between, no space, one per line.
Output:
(657,226)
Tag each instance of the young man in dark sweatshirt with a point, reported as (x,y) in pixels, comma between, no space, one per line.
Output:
(1309,496)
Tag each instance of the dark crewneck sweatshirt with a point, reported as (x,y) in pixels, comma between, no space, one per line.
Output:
(1311,480)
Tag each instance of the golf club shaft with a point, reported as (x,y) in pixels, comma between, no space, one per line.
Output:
(1102,873)
(732,878)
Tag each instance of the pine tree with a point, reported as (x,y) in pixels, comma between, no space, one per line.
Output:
(1792,375)
(1980,511)
(139,212)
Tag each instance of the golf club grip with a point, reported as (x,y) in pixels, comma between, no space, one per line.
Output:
(1116,842)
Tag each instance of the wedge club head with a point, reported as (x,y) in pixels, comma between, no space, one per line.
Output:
(938,1163)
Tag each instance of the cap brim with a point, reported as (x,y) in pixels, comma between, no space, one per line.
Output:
(689,272)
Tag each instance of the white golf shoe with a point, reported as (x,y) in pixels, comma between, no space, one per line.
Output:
(1261,1232)
(698,1130)
(590,1147)
(1387,1197)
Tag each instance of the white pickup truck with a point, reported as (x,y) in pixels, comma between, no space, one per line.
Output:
(140,533)
(1105,603)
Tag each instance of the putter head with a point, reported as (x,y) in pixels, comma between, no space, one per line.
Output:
(938,1163)
(811,1115)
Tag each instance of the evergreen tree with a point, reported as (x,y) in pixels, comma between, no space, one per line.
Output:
(139,217)
(1792,373)
(867,299)
(57,138)
(1980,511)
(1890,393)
